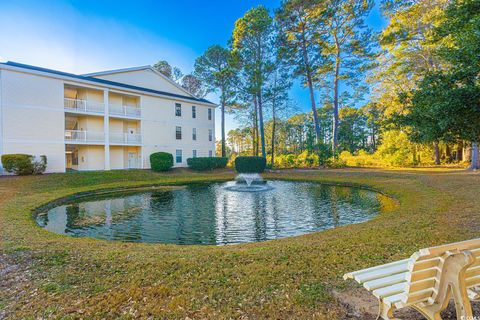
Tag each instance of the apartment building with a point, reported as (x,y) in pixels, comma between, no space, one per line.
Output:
(101,121)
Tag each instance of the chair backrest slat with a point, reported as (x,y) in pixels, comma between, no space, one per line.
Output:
(472,281)
(439,250)
(422,275)
(418,296)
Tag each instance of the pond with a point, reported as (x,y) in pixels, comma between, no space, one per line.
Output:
(212,214)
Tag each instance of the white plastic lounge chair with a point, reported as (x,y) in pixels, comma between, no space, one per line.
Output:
(426,281)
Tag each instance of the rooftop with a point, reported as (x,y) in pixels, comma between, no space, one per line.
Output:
(102,81)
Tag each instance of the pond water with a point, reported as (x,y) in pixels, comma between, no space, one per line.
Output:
(211,214)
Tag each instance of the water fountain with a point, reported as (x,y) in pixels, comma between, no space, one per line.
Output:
(248,182)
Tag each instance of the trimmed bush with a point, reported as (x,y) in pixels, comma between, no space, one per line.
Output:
(40,166)
(250,164)
(24,164)
(161,161)
(207,163)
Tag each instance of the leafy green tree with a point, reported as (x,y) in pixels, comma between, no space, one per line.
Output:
(396,149)
(352,135)
(215,69)
(167,70)
(253,43)
(408,55)
(373,113)
(426,118)
(452,95)
(194,85)
(239,141)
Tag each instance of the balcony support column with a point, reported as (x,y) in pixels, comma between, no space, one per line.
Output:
(106,130)
(142,152)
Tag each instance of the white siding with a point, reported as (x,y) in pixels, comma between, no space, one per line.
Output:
(159,122)
(91,158)
(33,117)
(143,78)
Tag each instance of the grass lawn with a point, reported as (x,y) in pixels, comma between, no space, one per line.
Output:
(48,275)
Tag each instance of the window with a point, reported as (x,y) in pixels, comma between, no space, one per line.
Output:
(210,153)
(210,135)
(194,153)
(194,112)
(178,133)
(178,109)
(194,133)
(209,114)
(178,156)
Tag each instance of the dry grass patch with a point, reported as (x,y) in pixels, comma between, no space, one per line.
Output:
(281,279)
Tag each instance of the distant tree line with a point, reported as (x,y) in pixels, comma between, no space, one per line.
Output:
(407,95)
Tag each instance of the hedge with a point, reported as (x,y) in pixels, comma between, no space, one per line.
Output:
(161,161)
(207,163)
(250,164)
(24,164)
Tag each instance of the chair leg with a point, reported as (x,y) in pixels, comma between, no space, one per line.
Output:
(429,312)
(456,281)
(462,302)
(385,311)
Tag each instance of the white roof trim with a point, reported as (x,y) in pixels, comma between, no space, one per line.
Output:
(107,72)
(101,73)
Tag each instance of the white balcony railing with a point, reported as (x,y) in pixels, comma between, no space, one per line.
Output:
(125,111)
(125,138)
(80,105)
(80,136)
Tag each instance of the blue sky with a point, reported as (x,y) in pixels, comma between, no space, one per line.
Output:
(85,36)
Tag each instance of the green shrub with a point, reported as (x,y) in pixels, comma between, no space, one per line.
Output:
(207,163)
(336,163)
(161,161)
(24,164)
(40,166)
(250,164)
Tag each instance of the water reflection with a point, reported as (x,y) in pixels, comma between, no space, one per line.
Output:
(209,214)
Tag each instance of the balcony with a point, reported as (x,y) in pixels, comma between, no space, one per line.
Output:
(83,106)
(84,137)
(124,111)
(125,138)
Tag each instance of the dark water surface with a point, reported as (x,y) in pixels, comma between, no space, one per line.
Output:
(209,214)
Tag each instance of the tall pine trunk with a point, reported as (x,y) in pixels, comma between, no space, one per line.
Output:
(335,98)
(459,156)
(374,140)
(255,126)
(274,122)
(314,109)
(273,142)
(436,153)
(448,153)
(308,74)
(262,129)
(224,154)
(474,164)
